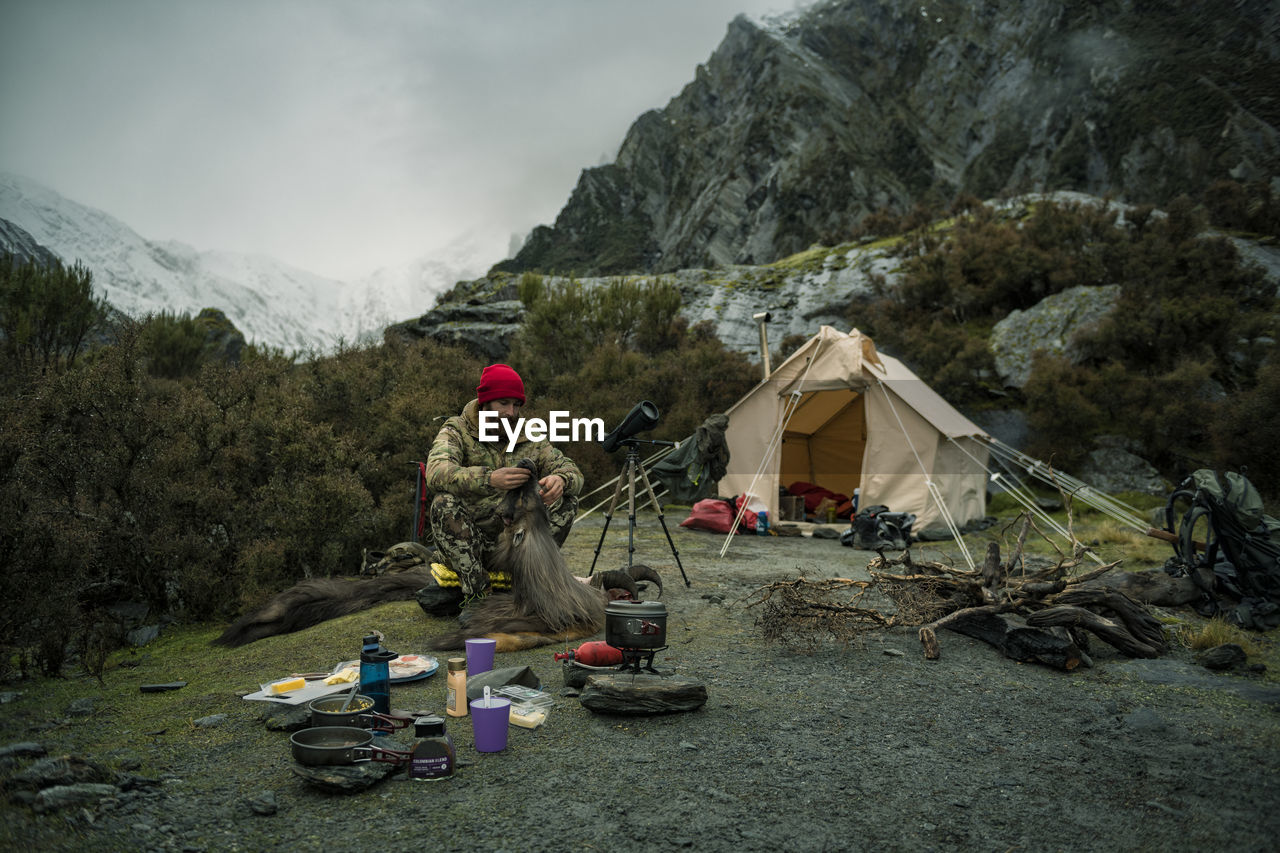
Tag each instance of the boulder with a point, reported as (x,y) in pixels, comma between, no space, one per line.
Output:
(1225,656)
(222,340)
(1113,467)
(1050,325)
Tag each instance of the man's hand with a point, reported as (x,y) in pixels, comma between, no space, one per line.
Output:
(509,478)
(552,488)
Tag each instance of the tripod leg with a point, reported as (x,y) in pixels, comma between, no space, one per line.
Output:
(608,517)
(632,465)
(663,521)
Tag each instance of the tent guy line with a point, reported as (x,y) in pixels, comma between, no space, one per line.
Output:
(793,403)
(928,481)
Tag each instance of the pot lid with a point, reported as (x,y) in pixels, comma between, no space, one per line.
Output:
(635,608)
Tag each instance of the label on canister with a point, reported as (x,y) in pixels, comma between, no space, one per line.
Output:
(430,767)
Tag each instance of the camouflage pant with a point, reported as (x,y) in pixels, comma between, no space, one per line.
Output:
(467,543)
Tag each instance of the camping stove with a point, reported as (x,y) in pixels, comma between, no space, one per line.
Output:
(633,658)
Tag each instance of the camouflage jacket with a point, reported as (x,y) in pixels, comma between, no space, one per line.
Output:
(460,463)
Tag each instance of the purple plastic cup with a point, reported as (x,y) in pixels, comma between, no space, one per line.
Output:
(480,655)
(489,721)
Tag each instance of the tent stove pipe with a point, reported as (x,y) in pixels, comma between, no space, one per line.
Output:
(762,318)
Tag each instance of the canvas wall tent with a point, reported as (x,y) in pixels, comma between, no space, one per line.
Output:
(840,415)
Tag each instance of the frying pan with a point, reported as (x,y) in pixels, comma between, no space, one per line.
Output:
(326,745)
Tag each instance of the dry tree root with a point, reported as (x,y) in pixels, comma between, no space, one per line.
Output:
(1030,609)
(1038,615)
(801,612)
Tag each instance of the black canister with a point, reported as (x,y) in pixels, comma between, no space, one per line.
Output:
(433,757)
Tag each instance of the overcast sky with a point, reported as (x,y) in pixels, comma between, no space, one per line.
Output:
(337,136)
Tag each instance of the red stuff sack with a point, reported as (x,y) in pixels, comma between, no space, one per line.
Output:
(716,515)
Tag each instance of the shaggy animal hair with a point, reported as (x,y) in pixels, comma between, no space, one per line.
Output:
(317,599)
(547,604)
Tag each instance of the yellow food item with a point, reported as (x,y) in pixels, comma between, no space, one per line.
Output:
(344,676)
(286,685)
(528,720)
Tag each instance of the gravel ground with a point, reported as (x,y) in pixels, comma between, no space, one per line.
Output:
(842,747)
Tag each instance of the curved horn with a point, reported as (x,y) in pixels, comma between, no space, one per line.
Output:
(615,579)
(644,573)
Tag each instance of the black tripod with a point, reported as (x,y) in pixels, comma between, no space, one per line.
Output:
(628,475)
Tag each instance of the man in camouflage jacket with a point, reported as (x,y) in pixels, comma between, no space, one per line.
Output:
(469,478)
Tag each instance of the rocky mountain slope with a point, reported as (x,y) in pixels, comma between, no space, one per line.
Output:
(801,292)
(792,132)
(273,303)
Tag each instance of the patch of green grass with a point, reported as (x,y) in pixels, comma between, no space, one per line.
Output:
(158,728)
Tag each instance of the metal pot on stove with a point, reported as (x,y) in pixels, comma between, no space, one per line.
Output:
(635,624)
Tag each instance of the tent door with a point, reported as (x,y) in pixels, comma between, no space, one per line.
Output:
(825,441)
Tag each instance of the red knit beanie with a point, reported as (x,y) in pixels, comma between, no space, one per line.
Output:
(499,381)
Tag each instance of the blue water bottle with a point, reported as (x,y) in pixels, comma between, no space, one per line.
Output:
(375,673)
(762,523)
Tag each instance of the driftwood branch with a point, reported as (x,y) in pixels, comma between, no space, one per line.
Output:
(1029,610)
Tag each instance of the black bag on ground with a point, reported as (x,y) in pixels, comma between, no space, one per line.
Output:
(875,528)
(1241,546)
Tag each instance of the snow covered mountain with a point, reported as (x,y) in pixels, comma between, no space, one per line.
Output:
(272,303)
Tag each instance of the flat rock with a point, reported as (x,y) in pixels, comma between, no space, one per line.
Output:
(286,718)
(642,693)
(65,770)
(62,796)
(27,749)
(345,778)
(1180,674)
(576,674)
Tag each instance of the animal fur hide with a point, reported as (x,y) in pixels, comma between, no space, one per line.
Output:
(547,604)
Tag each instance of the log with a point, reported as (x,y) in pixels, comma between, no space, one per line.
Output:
(1040,589)
(1019,641)
(1152,587)
(1137,620)
(642,693)
(1108,630)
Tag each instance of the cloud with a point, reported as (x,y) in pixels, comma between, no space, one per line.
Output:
(338,136)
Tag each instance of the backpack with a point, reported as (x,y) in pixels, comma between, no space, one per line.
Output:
(1241,546)
(875,528)
(398,558)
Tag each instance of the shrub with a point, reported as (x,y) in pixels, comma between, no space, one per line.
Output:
(173,345)
(46,314)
